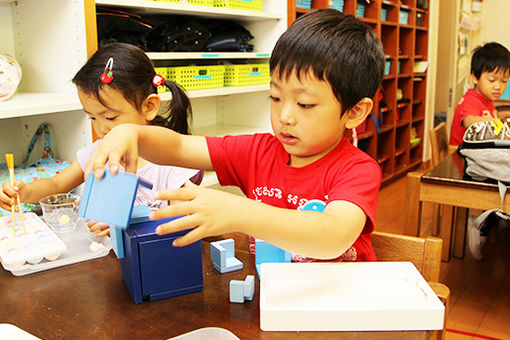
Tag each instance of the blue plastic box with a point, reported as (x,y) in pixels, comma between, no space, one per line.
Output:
(360,10)
(387,66)
(403,17)
(153,269)
(384,14)
(337,4)
(306,4)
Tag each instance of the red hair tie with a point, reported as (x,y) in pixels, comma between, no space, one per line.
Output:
(107,75)
(158,80)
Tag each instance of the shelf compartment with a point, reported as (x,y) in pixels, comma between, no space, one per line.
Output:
(207,55)
(221,91)
(157,7)
(33,103)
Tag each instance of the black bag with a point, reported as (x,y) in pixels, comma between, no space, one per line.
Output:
(179,33)
(119,26)
(228,36)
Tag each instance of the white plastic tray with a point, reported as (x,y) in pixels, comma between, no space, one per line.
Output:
(74,247)
(368,296)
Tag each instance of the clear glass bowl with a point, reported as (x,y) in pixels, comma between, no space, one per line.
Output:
(60,211)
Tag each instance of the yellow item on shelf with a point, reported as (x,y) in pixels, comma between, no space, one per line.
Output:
(250,74)
(197,77)
(253,5)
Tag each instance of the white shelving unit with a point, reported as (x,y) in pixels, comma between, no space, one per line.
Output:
(49,40)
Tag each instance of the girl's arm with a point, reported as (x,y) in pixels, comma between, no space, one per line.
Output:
(211,212)
(159,145)
(63,182)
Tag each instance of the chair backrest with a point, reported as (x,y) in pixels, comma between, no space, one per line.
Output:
(423,252)
(439,143)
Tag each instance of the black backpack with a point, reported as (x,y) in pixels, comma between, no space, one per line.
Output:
(178,34)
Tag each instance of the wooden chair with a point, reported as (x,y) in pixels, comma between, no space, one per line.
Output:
(442,228)
(424,253)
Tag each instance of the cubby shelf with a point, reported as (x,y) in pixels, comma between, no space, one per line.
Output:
(405,41)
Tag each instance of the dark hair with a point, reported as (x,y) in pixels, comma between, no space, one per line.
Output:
(132,76)
(337,48)
(489,57)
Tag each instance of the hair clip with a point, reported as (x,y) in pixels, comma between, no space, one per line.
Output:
(107,75)
(158,80)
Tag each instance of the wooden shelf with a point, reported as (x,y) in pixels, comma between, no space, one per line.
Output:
(403,44)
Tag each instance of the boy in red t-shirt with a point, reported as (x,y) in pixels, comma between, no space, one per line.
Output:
(324,71)
(490,70)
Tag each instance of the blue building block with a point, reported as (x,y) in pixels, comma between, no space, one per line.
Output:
(222,255)
(241,291)
(236,291)
(267,253)
(153,268)
(249,287)
(110,200)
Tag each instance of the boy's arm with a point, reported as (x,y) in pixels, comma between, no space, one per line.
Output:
(470,120)
(211,212)
(504,114)
(159,145)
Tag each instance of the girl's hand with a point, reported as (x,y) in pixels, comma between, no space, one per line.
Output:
(211,212)
(8,194)
(119,145)
(99,229)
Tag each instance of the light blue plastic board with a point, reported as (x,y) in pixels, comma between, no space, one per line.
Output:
(268,253)
(110,200)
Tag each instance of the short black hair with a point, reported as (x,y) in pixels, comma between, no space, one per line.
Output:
(337,48)
(133,72)
(490,57)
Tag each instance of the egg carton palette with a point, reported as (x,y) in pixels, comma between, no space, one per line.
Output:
(37,247)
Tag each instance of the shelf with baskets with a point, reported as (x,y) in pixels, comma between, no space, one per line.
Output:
(400,107)
(235,101)
(50,58)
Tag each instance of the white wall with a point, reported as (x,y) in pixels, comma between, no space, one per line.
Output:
(494,19)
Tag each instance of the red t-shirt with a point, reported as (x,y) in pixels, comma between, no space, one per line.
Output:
(258,164)
(471,104)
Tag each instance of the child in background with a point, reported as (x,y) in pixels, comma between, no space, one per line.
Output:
(324,71)
(490,70)
(117,85)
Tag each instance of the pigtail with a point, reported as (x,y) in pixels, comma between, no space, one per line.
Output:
(179,114)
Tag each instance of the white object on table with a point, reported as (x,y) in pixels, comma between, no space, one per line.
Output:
(363,296)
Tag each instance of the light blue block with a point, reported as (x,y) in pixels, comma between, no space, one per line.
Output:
(140,214)
(110,199)
(249,287)
(236,291)
(117,241)
(223,256)
(267,253)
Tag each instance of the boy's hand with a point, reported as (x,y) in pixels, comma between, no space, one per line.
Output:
(98,228)
(119,145)
(8,194)
(211,212)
